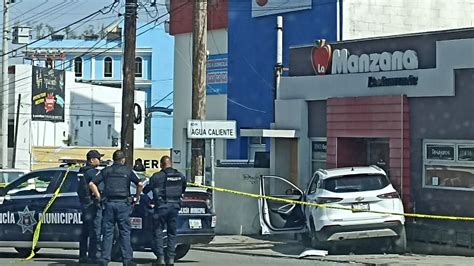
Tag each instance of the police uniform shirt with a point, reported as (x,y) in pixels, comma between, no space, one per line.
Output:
(86,174)
(100,178)
(158,180)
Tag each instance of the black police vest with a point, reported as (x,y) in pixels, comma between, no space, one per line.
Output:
(117,182)
(85,196)
(173,186)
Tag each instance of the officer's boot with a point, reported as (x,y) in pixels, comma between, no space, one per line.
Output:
(160,261)
(170,261)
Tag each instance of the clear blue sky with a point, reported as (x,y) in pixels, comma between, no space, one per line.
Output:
(59,13)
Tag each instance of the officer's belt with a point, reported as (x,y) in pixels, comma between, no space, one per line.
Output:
(117,199)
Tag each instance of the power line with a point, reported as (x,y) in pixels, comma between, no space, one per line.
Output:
(119,43)
(69,25)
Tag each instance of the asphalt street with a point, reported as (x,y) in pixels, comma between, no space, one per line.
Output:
(194,257)
(242,250)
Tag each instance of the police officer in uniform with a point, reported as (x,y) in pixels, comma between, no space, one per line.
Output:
(89,243)
(168,186)
(117,205)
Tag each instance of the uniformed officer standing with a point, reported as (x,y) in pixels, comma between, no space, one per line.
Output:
(117,205)
(89,243)
(168,187)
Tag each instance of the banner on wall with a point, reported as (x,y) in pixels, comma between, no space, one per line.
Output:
(270,7)
(47,94)
(216,74)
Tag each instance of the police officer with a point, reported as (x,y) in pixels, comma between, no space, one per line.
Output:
(168,186)
(117,205)
(89,243)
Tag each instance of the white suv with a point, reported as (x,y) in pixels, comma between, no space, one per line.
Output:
(359,190)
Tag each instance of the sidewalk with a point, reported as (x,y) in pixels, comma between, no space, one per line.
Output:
(260,246)
(287,248)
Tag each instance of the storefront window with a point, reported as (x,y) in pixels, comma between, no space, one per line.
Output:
(318,154)
(449,165)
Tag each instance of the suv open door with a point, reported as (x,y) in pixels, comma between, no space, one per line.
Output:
(280,217)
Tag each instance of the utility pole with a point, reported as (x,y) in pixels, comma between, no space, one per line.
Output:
(199,82)
(128,88)
(279,61)
(17,124)
(4,109)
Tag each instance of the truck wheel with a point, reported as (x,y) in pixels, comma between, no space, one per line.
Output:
(25,252)
(181,251)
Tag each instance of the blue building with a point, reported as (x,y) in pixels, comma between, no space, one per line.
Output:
(243,35)
(252,57)
(99,61)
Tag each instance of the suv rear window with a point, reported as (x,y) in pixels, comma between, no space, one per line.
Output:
(355,183)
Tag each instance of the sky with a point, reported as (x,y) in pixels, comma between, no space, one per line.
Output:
(59,13)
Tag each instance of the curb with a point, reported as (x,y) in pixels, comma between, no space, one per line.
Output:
(276,256)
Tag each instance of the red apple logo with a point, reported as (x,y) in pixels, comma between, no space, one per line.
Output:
(321,58)
(261,2)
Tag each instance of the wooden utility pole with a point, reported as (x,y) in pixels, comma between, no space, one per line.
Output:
(17,123)
(199,82)
(128,88)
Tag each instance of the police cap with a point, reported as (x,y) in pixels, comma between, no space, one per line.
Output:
(118,155)
(94,154)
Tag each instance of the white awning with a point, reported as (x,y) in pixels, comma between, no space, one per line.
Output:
(269,133)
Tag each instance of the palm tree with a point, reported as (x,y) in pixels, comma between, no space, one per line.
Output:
(50,29)
(39,30)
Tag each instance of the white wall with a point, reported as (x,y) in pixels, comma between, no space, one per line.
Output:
(237,214)
(216,104)
(102,102)
(101,106)
(370,18)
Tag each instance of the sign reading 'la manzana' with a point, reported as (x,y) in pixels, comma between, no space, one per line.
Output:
(343,63)
(340,61)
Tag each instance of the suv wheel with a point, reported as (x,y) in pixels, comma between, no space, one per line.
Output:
(306,239)
(399,244)
(315,243)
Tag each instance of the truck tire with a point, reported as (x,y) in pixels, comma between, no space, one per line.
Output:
(25,252)
(182,250)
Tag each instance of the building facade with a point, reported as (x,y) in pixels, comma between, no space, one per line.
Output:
(99,62)
(245,44)
(92,116)
(402,103)
(245,32)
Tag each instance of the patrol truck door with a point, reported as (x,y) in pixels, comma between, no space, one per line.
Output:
(280,217)
(64,217)
(24,199)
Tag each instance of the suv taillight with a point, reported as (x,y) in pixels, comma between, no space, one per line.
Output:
(391,195)
(324,200)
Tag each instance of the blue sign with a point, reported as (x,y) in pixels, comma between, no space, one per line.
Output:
(217,74)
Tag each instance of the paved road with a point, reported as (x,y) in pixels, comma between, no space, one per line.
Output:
(194,257)
(241,250)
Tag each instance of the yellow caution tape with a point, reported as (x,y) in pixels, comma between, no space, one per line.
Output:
(51,201)
(415,215)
